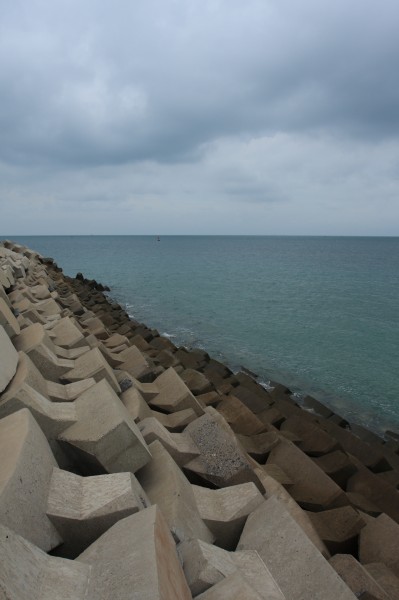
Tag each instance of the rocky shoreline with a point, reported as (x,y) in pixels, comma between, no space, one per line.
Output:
(133,468)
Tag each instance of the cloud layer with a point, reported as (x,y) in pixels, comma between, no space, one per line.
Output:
(263,109)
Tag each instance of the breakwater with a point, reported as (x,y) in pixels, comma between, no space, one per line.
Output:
(138,469)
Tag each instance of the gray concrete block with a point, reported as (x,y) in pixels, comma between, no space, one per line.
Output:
(9,359)
(27,573)
(293,561)
(379,542)
(165,485)
(25,472)
(105,435)
(137,560)
(173,394)
(225,511)
(83,508)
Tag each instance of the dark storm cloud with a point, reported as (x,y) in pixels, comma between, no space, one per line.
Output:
(98,84)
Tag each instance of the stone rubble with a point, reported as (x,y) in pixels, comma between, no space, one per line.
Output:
(133,469)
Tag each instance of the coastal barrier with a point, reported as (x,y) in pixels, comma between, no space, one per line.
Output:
(135,469)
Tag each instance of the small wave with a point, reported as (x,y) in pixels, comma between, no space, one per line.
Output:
(168,335)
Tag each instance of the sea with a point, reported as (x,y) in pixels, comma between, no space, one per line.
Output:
(319,314)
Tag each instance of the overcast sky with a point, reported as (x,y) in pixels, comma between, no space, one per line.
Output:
(199,117)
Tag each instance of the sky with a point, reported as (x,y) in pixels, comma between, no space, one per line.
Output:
(264,117)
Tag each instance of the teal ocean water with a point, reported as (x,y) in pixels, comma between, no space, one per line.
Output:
(317,313)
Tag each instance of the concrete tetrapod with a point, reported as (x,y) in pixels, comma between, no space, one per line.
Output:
(173,394)
(294,562)
(83,508)
(180,446)
(25,472)
(9,359)
(91,364)
(225,511)
(356,577)
(8,320)
(104,437)
(379,542)
(136,560)
(222,462)
(28,573)
(165,485)
(205,565)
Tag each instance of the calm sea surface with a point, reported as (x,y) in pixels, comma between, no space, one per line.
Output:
(318,313)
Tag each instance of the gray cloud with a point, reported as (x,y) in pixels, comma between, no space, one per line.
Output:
(94,84)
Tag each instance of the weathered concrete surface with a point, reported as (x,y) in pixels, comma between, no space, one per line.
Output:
(356,577)
(53,418)
(233,587)
(25,472)
(32,341)
(312,488)
(179,445)
(177,421)
(136,559)
(274,488)
(28,573)
(222,462)
(293,561)
(91,364)
(105,435)
(385,578)
(8,320)
(135,404)
(66,333)
(9,359)
(380,492)
(173,394)
(259,446)
(196,382)
(225,511)
(165,485)
(338,528)
(379,542)
(239,417)
(83,508)
(314,441)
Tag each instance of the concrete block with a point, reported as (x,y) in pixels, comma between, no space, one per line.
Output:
(26,572)
(179,445)
(339,528)
(32,341)
(136,559)
(196,382)
(239,417)
(52,418)
(293,561)
(66,334)
(385,579)
(356,577)
(274,488)
(337,465)
(233,587)
(312,488)
(222,461)
(9,359)
(135,404)
(8,320)
(379,492)
(314,441)
(177,421)
(259,446)
(379,542)
(83,508)
(173,394)
(105,437)
(91,364)
(225,511)
(130,360)
(115,340)
(166,486)
(25,472)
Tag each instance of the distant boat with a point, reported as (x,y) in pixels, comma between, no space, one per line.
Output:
(158,239)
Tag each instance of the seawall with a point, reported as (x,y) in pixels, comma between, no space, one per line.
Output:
(137,469)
